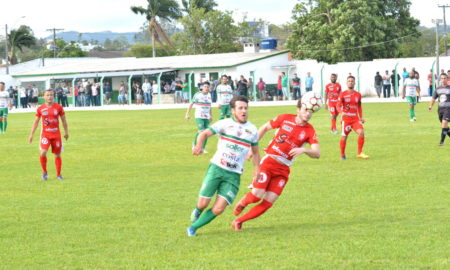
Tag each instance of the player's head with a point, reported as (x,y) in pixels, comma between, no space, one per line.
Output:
(49,96)
(351,82)
(224,79)
(302,113)
(411,74)
(205,87)
(444,79)
(239,108)
(2,86)
(333,78)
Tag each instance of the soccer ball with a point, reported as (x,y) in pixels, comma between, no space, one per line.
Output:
(312,101)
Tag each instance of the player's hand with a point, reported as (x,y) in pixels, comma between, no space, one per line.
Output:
(197,150)
(187,117)
(297,151)
(30,139)
(66,136)
(249,156)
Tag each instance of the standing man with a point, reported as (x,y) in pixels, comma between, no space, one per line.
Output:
(285,86)
(237,137)
(309,82)
(147,89)
(405,75)
(442,94)
(203,114)
(178,90)
(378,83)
(224,96)
(5,104)
(296,81)
(349,104)
(332,92)
(242,86)
(386,85)
(185,91)
(293,133)
(411,90)
(50,113)
(107,90)
(213,87)
(261,89)
(395,85)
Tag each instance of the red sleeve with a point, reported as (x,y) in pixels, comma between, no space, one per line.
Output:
(312,138)
(38,112)
(326,89)
(276,122)
(339,103)
(61,111)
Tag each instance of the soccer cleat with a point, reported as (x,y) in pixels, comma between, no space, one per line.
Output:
(441,144)
(195,215)
(250,186)
(60,177)
(411,120)
(343,158)
(44,176)
(191,231)
(362,156)
(333,131)
(238,209)
(204,151)
(237,226)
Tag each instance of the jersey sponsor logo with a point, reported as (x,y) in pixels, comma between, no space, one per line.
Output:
(231,157)
(287,128)
(55,112)
(277,149)
(44,112)
(302,136)
(235,147)
(347,100)
(262,177)
(442,98)
(230,165)
(44,141)
(289,122)
(51,129)
(282,183)
(282,138)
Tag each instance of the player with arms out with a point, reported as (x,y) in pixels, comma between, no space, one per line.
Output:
(332,92)
(411,90)
(224,96)
(442,94)
(349,104)
(5,104)
(203,114)
(50,112)
(290,140)
(237,138)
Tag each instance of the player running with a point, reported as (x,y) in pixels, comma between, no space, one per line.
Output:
(237,137)
(5,104)
(349,104)
(224,96)
(442,94)
(292,135)
(50,112)
(332,91)
(411,89)
(203,114)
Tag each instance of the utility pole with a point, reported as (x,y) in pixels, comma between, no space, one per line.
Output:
(7,50)
(445,28)
(54,38)
(437,21)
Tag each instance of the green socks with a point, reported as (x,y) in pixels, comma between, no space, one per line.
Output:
(411,113)
(204,219)
(1,127)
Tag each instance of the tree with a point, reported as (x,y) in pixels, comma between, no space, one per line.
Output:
(207,32)
(352,30)
(189,5)
(17,40)
(158,9)
(145,50)
(65,49)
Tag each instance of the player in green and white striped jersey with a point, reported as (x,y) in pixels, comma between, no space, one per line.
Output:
(411,89)
(224,96)
(203,114)
(5,103)
(237,138)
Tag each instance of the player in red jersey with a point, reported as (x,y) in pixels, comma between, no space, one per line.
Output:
(292,135)
(332,92)
(50,113)
(349,104)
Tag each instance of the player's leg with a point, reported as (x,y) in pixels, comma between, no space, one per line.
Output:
(444,117)
(333,115)
(43,160)
(359,129)
(1,120)
(209,187)
(412,102)
(346,129)
(56,144)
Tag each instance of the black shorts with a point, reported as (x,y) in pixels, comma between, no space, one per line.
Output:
(444,114)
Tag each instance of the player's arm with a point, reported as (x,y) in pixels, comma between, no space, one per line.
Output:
(187,116)
(263,129)
(418,90)
(325,97)
(256,161)
(210,114)
(65,126)
(360,112)
(314,152)
(433,99)
(197,150)
(33,129)
(403,91)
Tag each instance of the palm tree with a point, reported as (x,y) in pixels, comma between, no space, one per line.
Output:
(17,39)
(208,5)
(163,9)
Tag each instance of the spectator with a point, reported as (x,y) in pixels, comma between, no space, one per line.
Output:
(122,98)
(107,91)
(242,86)
(416,74)
(386,85)
(82,93)
(430,82)
(155,89)
(167,87)
(65,102)
(395,84)
(296,81)
(185,92)
(279,88)
(95,94)
(147,89)
(59,94)
(309,82)
(12,96)
(378,83)
(88,94)
(230,82)
(139,94)
(34,96)
(23,97)
(214,84)
(29,90)
(250,87)
(448,72)
(405,74)
(285,86)
(262,89)
(178,90)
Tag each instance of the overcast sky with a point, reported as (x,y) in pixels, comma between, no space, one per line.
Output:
(115,15)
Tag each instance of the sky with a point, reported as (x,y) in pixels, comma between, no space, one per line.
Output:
(115,15)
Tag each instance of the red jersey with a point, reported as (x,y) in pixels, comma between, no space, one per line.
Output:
(50,119)
(333,91)
(350,105)
(288,136)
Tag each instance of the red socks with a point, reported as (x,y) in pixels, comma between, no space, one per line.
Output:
(43,163)
(333,124)
(360,144)
(256,211)
(249,199)
(58,164)
(343,145)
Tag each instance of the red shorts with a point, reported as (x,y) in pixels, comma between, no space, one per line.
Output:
(273,176)
(349,124)
(55,142)
(333,110)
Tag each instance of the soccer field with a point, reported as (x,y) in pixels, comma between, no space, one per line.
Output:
(131,183)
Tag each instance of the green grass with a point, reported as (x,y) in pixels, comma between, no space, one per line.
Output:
(131,183)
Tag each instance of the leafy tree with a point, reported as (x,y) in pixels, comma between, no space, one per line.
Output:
(65,49)
(145,50)
(158,9)
(351,30)
(189,5)
(18,39)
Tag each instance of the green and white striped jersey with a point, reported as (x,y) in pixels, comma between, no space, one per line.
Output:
(235,140)
(4,97)
(202,105)
(411,87)
(224,94)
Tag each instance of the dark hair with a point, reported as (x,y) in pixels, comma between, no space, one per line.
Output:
(334,74)
(444,74)
(236,99)
(206,83)
(351,77)
(2,83)
(283,73)
(224,76)
(299,103)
